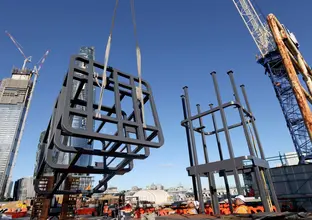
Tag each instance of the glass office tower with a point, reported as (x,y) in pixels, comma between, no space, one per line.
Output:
(14,94)
(78,122)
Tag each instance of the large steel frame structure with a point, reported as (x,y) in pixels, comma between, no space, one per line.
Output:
(131,138)
(234,165)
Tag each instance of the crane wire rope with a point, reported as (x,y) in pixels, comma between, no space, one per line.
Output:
(106,57)
(139,91)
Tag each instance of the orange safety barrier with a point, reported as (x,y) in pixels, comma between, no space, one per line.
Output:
(259,209)
(85,211)
(162,213)
(252,210)
(17,214)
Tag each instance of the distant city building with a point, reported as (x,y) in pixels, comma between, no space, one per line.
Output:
(111,190)
(85,182)
(155,196)
(24,189)
(155,187)
(8,193)
(40,154)
(14,94)
(160,187)
(135,188)
(291,158)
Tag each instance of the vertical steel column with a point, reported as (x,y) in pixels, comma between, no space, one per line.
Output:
(267,172)
(260,181)
(253,122)
(188,110)
(241,114)
(212,182)
(189,145)
(227,187)
(227,134)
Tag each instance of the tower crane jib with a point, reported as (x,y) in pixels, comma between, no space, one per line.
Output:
(19,47)
(257,29)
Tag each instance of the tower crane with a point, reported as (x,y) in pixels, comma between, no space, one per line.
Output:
(283,62)
(19,47)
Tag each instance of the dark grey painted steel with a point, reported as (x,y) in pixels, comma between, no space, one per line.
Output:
(260,181)
(116,145)
(211,178)
(227,165)
(267,172)
(234,165)
(193,142)
(189,145)
(227,133)
(226,182)
(293,180)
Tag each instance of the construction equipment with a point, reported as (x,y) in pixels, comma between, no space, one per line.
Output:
(283,62)
(19,47)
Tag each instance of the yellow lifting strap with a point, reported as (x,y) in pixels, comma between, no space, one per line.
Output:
(138,91)
(107,52)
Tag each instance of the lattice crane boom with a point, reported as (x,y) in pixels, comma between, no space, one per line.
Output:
(256,27)
(280,69)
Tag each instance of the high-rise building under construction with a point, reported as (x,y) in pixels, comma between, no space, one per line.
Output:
(14,96)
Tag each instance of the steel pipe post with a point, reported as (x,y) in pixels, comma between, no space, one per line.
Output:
(253,123)
(188,111)
(189,145)
(241,114)
(211,178)
(260,181)
(227,133)
(227,187)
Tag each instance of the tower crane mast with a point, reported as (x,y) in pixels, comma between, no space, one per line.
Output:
(273,62)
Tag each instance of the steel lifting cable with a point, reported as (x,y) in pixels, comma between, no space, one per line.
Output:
(139,91)
(107,52)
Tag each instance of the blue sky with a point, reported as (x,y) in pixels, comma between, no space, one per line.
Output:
(181,43)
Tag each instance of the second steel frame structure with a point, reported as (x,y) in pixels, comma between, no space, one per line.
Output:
(234,165)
